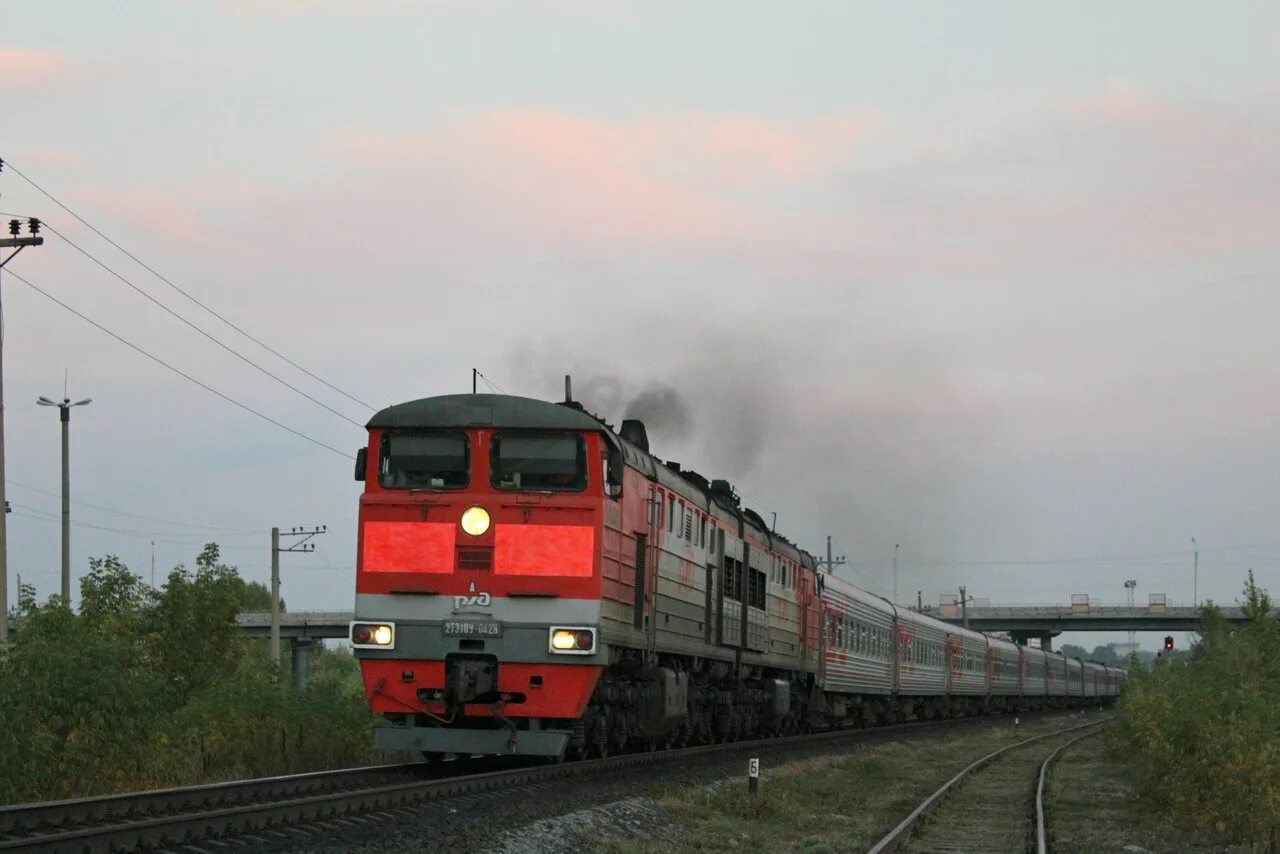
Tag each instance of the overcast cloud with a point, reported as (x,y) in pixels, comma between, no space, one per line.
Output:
(992,282)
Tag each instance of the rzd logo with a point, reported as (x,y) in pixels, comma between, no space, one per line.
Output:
(472,600)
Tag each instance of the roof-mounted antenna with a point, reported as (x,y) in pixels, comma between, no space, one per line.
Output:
(568,389)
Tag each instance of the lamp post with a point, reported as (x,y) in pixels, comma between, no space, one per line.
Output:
(1195,574)
(64,415)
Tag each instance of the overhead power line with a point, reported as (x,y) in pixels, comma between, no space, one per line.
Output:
(177,371)
(23,512)
(212,338)
(184,293)
(189,526)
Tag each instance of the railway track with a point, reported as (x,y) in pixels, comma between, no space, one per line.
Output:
(994,804)
(174,818)
(76,824)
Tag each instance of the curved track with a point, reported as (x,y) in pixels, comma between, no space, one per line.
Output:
(172,818)
(1042,839)
(986,807)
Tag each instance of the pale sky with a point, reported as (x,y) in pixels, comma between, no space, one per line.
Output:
(993,281)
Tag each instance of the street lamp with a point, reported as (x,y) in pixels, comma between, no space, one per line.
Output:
(64,416)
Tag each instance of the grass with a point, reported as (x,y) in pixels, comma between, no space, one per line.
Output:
(1088,781)
(841,802)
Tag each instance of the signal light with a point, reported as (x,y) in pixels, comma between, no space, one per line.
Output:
(1168,642)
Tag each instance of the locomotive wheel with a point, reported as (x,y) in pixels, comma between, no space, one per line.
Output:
(434,757)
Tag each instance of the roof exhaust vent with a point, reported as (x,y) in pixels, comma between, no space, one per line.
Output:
(568,389)
(723,490)
(633,431)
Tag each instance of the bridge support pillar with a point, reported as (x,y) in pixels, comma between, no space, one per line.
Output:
(1045,638)
(300,658)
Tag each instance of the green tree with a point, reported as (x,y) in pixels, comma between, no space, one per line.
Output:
(1070,650)
(194,639)
(255,596)
(148,688)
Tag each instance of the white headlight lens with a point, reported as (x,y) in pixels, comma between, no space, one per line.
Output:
(475,521)
(382,635)
(564,639)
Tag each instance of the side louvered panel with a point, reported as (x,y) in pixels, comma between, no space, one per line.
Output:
(642,544)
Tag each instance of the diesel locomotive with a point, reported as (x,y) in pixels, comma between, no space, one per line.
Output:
(531,581)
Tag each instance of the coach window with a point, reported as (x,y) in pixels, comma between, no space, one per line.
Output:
(424,461)
(546,463)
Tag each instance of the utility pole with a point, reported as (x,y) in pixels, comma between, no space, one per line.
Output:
(17,244)
(964,608)
(300,546)
(1129,587)
(64,415)
(831,562)
(895,573)
(919,601)
(153,564)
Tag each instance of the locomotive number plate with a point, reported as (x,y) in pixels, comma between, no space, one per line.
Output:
(472,629)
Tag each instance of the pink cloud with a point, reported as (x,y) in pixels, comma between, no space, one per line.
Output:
(28,68)
(147,210)
(59,158)
(658,178)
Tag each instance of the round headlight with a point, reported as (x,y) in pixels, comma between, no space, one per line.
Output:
(475,521)
(382,635)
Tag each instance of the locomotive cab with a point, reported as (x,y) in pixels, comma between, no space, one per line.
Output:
(478,577)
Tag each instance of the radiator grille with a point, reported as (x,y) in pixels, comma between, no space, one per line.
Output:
(637,617)
(475,558)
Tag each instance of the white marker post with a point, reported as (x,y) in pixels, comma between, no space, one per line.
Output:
(753,776)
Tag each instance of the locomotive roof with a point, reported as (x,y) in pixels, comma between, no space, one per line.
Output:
(502,411)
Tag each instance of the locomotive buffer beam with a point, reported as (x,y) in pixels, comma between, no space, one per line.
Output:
(465,742)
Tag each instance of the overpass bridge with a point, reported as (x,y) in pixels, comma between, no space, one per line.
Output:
(302,629)
(1046,621)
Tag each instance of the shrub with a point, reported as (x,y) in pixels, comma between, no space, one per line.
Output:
(1204,736)
(147,688)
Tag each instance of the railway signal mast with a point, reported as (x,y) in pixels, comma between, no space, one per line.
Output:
(17,243)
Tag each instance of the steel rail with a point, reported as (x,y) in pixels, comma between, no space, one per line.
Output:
(902,832)
(1041,837)
(227,813)
(19,818)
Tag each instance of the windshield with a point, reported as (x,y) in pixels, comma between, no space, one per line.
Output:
(424,461)
(538,462)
